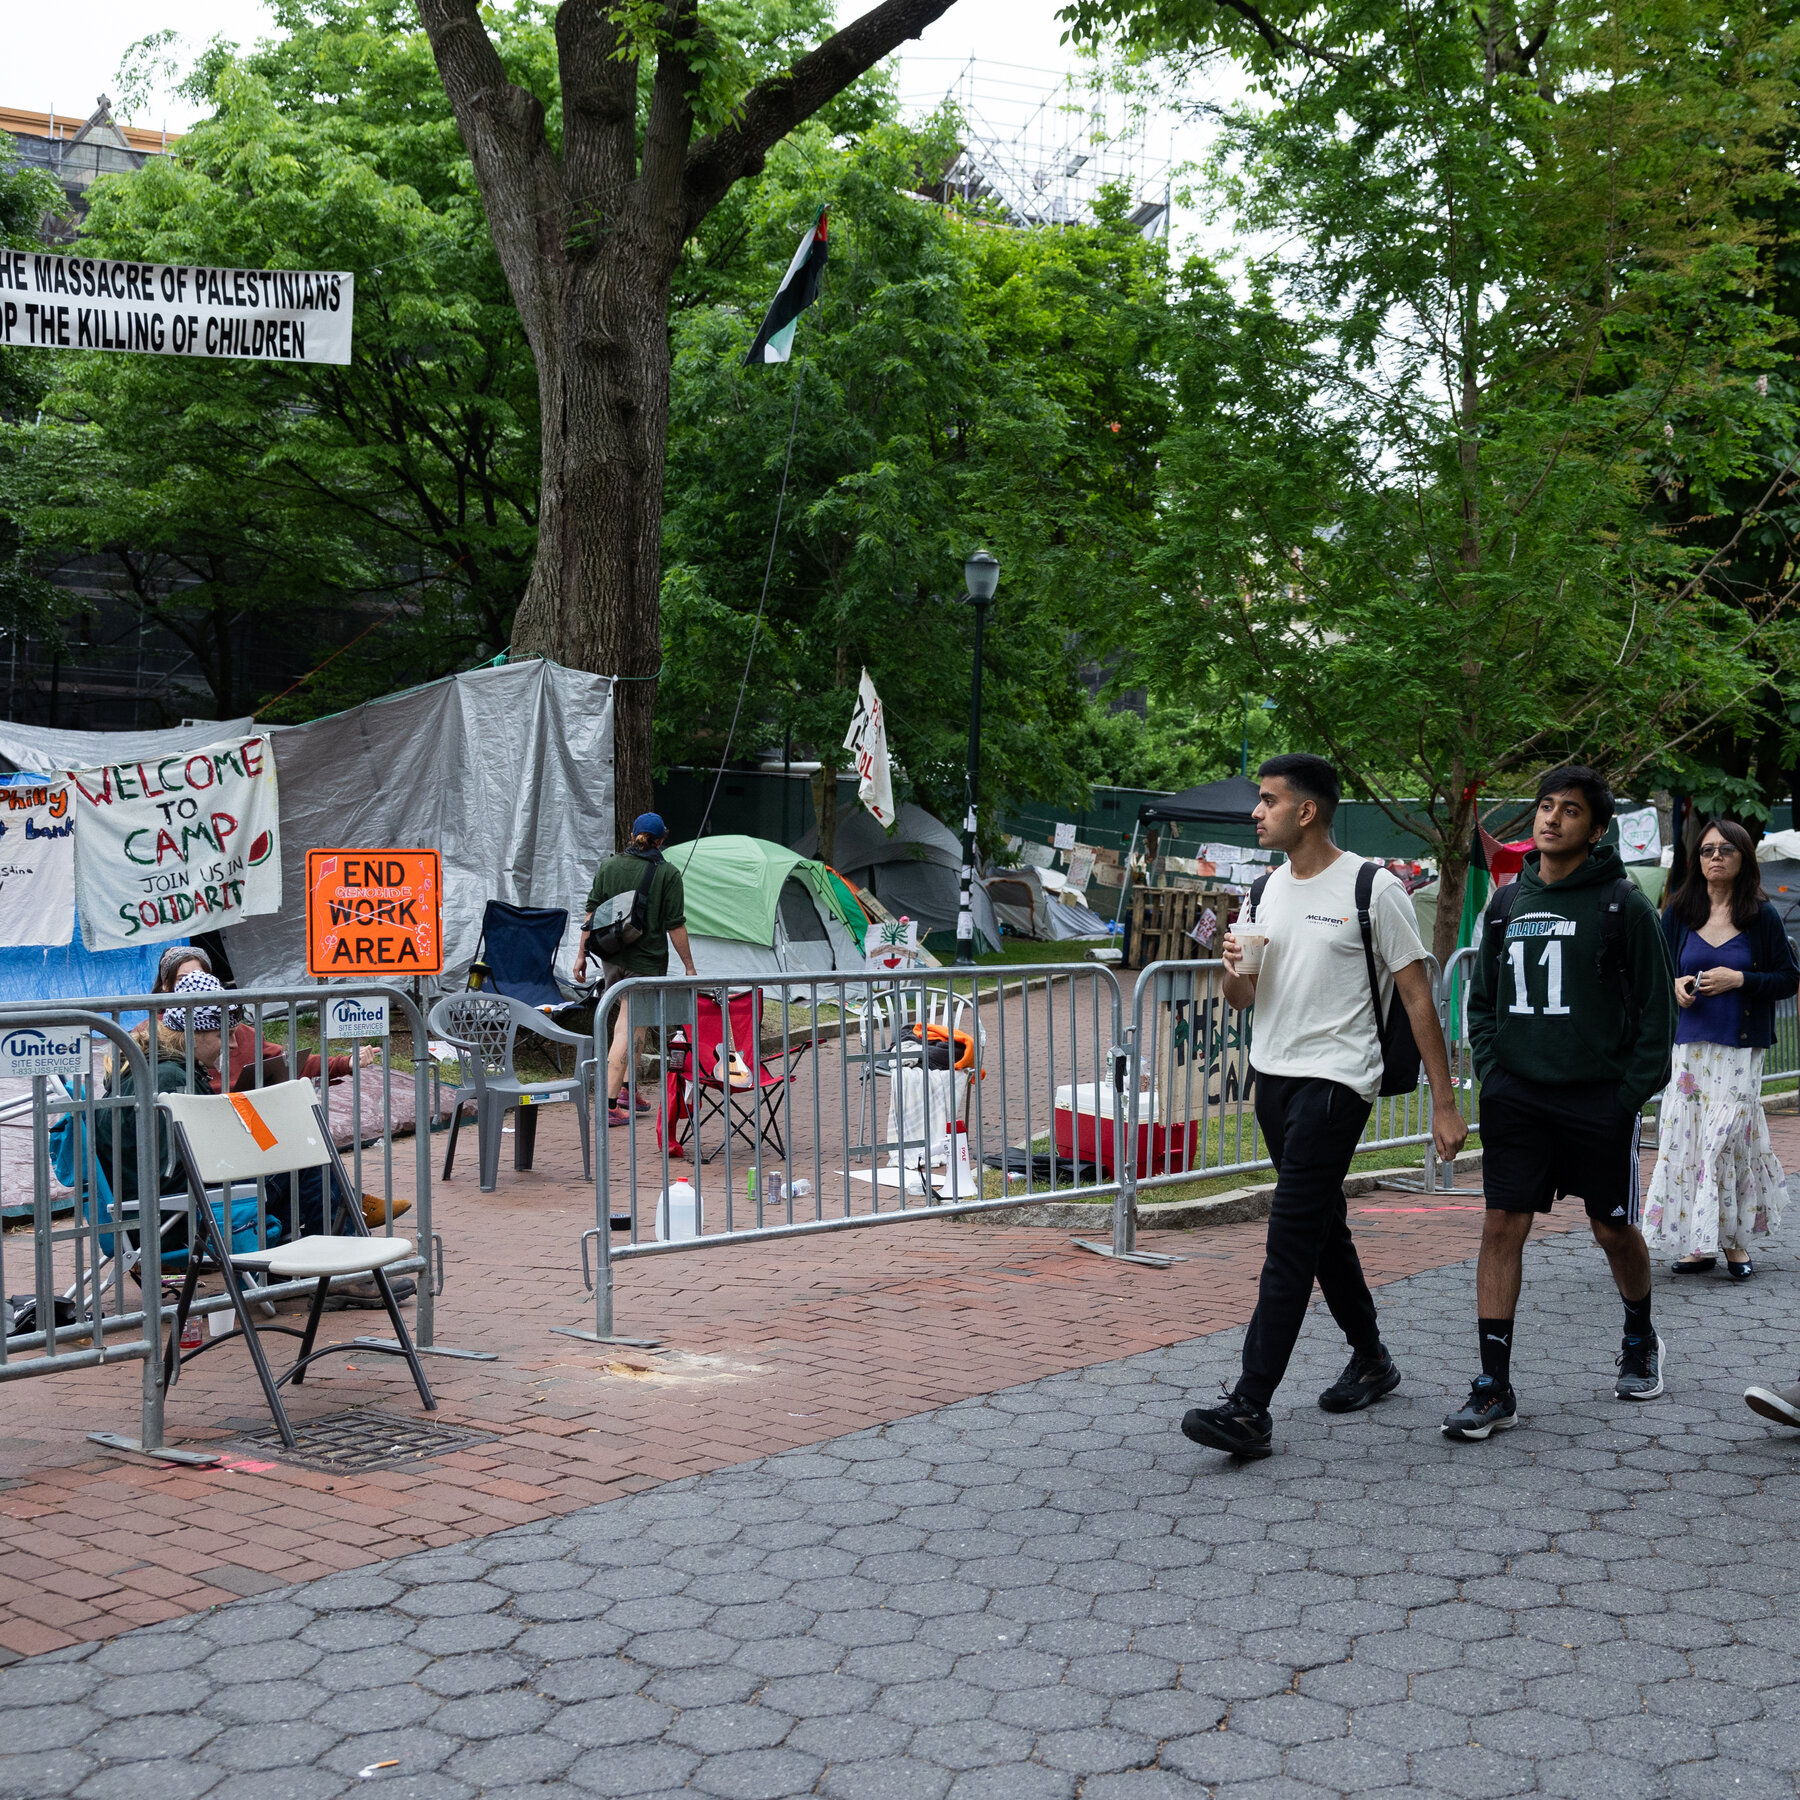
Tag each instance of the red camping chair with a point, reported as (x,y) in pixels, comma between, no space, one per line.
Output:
(750,1100)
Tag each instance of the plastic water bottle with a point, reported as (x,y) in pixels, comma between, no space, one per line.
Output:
(802,1188)
(677,1213)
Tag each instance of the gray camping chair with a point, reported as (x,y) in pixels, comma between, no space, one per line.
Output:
(482,1028)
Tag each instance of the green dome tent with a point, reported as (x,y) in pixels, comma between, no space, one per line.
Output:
(755,907)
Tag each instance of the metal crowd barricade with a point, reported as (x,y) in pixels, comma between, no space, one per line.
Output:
(843,1047)
(281,1021)
(1189,1105)
(87,1247)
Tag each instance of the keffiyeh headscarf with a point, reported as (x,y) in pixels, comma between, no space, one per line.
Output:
(205,1018)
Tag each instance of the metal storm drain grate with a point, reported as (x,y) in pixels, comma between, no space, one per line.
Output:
(356,1441)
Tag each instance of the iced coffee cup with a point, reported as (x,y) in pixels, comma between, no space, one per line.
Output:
(1253,940)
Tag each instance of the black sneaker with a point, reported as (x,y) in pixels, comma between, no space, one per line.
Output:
(1640,1368)
(1237,1426)
(1364,1380)
(1490,1407)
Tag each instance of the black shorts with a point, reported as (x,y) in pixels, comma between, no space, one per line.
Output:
(1541,1142)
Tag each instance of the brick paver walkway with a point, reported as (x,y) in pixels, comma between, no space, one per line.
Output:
(766,1347)
(1046,1592)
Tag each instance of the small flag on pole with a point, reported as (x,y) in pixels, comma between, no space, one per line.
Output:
(799,289)
(867,741)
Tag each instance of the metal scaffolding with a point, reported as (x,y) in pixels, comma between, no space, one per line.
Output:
(1042,145)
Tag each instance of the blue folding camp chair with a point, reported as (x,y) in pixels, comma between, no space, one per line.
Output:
(517,956)
(518,952)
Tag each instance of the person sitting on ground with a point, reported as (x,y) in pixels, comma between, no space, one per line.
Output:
(666,924)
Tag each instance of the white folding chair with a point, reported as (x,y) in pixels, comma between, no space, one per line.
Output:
(885,1030)
(224,1141)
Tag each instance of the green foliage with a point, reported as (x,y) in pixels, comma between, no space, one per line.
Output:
(408,479)
(962,385)
(27,197)
(1175,744)
(1411,488)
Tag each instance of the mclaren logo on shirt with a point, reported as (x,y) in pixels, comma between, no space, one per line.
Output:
(1326,919)
(1539,925)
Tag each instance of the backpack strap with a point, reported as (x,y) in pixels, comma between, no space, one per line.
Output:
(1257,888)
(1365,892)
(1612,956)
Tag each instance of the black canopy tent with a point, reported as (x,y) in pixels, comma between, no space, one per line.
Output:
(1224,805)
(1228,803)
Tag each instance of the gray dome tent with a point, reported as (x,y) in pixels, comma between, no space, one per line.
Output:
(914,872)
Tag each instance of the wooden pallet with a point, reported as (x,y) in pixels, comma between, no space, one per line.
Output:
(1162,919)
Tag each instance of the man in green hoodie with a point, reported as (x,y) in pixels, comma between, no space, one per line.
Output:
(1571,1020)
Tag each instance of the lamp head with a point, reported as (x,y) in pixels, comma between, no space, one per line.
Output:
(981,574)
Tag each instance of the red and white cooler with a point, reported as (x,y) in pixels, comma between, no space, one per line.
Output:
(1084,1130)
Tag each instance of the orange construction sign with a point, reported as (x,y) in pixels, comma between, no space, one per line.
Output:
(374,912)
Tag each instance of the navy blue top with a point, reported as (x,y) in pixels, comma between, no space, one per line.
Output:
(1772,975)
(1713,1018)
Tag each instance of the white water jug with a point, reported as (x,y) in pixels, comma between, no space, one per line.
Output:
(677,1213)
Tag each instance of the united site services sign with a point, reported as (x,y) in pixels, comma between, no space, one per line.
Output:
(43,1050)
(89,303)
(374,911)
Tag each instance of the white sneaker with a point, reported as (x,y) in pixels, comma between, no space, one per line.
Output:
(1780,1404)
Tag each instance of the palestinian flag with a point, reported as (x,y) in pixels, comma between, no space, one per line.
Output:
(799,289)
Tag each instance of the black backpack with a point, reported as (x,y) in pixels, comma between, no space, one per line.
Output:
(1609,961)
(613,939)
(1399,1050)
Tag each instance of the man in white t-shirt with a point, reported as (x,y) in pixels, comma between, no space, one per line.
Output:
(1316,1050)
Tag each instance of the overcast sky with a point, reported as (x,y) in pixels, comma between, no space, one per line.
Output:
(49,60)
(1016,43)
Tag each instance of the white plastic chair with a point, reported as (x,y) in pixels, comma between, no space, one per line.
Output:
(224,1141)
(482,1028)
(884,1023)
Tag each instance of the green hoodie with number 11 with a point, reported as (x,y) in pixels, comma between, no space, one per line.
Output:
(1543,1009)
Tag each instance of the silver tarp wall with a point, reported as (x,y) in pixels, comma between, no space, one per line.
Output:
(507,772)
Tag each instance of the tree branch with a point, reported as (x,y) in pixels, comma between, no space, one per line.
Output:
(599,96)
(774,107)
(502,128)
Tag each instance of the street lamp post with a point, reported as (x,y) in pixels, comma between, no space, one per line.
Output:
(981,576)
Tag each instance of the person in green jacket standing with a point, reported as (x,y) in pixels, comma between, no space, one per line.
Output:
(1571,1022)
(666,924)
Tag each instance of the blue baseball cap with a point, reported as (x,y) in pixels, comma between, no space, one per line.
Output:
(648,825)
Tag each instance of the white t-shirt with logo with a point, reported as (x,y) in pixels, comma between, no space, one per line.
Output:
(1313,1016)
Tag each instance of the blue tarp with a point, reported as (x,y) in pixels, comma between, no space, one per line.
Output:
(68,971)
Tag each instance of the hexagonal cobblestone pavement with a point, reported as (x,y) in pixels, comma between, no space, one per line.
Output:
(1047,1593)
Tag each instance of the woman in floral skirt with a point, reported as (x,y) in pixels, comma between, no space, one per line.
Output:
(1717,1181)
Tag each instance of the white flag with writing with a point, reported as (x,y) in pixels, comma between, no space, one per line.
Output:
(866,741)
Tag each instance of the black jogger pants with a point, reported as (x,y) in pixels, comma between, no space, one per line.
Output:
(1311,1127)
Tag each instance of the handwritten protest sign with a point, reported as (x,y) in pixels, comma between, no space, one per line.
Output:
(37,865)
(370,911)
(52,302)
(176,845)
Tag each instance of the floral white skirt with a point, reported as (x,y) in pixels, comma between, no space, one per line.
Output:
(1716,1181)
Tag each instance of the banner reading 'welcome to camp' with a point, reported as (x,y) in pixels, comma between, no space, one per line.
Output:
(87,303)
(180,844)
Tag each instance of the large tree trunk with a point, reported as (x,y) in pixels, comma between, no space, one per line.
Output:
(1453,885)
(593,599)
(589,240)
